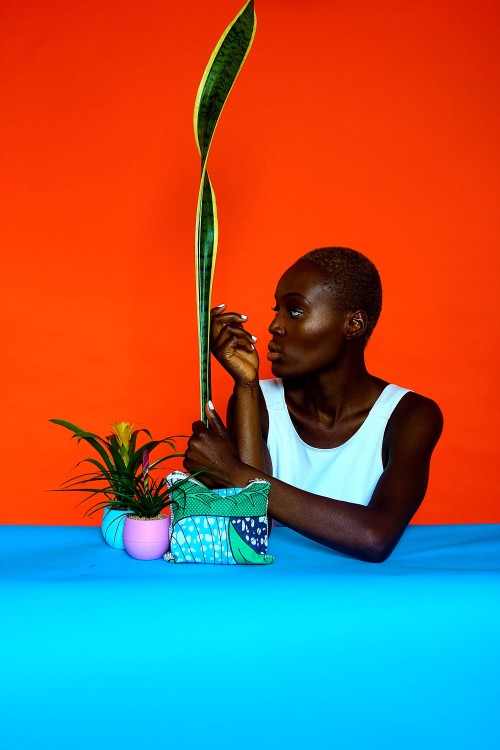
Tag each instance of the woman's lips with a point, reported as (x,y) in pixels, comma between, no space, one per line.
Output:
(272,356)
(273,353)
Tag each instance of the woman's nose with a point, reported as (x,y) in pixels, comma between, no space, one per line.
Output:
(275,327)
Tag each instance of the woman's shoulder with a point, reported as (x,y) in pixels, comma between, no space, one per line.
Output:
(416,418)
(414,402)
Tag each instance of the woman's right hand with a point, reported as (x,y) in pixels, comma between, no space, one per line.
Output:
(232,346)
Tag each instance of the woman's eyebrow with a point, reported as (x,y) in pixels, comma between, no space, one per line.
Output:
(295,294)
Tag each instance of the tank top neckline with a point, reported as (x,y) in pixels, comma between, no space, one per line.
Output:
(337,447)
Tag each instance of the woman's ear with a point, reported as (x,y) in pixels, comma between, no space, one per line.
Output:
(357,323)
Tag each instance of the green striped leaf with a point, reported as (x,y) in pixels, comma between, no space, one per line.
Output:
(220,74)
(207,231)
(218,79)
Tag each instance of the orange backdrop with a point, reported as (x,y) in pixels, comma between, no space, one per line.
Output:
(360,123)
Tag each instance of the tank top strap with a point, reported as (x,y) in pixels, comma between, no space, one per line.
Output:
(274,396)
(388,400)
(274,393)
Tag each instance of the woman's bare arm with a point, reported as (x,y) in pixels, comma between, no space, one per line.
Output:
(367,532)
(244,425)
(234,348)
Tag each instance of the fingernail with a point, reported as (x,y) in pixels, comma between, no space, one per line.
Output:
(254,338)
(210,404)
(223,305)
(245,317)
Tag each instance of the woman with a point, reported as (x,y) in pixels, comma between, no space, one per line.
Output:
(347,454)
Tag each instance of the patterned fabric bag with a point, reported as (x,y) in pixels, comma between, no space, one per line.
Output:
(222,527)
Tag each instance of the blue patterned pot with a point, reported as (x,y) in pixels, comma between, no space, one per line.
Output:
(112,527)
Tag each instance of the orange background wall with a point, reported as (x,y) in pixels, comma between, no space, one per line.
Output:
(367,124)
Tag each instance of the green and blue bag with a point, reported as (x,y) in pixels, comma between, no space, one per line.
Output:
(221,527)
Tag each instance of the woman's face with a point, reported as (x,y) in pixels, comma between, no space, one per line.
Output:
(308,330)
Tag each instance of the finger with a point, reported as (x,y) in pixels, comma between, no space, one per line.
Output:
(214,310)
(219,340)
(198,427)
(232,337)
(233,349)
(240,331)
(220,319)
(220,312)
(215,421)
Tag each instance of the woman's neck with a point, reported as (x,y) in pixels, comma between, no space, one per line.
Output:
(335,394)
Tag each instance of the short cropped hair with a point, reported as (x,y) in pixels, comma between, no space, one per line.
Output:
(354,280)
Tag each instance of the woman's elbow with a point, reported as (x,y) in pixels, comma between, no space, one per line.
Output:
(377,546)
(371,547)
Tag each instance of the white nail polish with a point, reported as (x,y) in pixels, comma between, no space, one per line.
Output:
(245,317)
(210,406)
(254,338)
(223,305)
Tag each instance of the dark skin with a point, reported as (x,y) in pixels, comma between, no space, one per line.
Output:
(318,351)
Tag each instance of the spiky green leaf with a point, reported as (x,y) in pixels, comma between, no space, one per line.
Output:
(218,79)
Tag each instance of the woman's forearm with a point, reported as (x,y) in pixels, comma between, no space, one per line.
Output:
(244,424)
(355,530)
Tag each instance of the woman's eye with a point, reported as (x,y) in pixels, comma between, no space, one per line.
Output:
(293,312)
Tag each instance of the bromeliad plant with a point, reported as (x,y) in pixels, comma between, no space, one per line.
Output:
(123,476)
(218,79)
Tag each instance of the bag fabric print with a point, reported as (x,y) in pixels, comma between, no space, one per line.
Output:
(221,527)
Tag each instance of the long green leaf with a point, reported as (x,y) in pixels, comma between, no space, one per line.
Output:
(73,427)
(81,434)
(90,438)
(218,79)
(135,459)
(220,74)
(207,235)
(157,464)
(94,461)
(133,438)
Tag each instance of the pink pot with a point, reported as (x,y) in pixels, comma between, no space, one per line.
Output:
(146,539)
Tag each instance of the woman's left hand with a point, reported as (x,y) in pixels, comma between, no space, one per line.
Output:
(214,450)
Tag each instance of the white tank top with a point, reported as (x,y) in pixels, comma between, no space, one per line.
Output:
(349,472)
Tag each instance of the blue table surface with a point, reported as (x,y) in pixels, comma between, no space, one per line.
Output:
(316,649)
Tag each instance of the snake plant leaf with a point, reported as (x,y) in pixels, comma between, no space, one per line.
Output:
(206,251)
(218,79)
(220,74)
